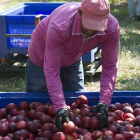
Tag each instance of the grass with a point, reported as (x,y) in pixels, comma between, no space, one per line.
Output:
(129,69)
(129,73)
(128,77)
(12,82)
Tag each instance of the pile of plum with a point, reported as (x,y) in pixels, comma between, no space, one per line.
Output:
(36,121)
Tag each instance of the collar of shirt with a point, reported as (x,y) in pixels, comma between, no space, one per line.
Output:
(77,27)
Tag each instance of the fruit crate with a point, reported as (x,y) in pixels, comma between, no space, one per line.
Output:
(17,25)
(131,97)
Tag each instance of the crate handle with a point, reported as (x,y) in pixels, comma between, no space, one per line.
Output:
(37,19)
(19,35)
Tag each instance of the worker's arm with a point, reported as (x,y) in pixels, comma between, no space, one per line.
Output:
(109,66)
(108,76)
(52,63)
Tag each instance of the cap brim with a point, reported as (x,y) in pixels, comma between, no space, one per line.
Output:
(93,23)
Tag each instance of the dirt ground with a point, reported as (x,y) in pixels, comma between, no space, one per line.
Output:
(93,83)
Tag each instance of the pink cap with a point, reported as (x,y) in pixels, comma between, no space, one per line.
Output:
(95,14)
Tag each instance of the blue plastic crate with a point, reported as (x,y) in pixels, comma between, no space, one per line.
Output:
(21,20)
(131,97)
(90,56)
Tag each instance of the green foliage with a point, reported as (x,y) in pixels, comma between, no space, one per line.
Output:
(128,82)
(113,1)
(12,82)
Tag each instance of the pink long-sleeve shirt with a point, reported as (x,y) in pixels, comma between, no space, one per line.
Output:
(58,41)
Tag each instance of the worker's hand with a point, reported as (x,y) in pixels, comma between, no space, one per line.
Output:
(62,116)
(101,108)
